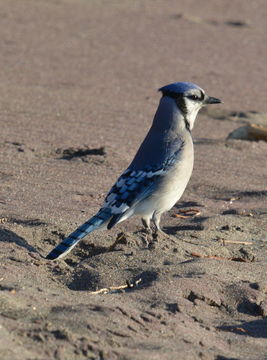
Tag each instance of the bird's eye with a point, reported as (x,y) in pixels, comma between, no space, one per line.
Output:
(193,97)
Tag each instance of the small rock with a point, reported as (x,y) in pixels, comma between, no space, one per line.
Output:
(250,132)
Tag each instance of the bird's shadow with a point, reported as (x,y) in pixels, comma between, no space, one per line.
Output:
(195,224)
(172,230)
(11,237)
(187,204)
(255,328)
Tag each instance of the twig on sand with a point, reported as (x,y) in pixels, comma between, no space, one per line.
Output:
(188,213)
(234,199)
(240,329)
(128,285)
(239,259)
(236,242)
(236,329)
(180,216)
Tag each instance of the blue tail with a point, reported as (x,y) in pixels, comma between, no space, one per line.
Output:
(90,225)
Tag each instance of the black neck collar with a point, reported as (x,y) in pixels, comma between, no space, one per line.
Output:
(180,102)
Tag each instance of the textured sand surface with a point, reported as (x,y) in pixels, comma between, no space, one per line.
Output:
(77,95)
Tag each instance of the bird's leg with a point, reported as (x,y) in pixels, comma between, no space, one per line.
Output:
(146,224)
(156,220)
(147,229)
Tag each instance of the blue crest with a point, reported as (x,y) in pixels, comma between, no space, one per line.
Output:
(178,87)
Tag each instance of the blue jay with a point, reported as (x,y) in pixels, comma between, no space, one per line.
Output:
(157,177)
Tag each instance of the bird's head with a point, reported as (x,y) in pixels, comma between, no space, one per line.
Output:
(189,99)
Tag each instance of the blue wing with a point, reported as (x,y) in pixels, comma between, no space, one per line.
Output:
(134,186)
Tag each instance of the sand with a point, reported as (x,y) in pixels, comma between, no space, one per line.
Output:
(78,92)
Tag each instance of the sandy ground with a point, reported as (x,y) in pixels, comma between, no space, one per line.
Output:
(77,94)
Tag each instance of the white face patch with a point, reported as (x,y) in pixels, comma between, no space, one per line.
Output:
(192,108)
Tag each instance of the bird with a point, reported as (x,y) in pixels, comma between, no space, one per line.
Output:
(159,172)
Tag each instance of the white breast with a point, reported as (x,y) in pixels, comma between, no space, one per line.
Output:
(172,184)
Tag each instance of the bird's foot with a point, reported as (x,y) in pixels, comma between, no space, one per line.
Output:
(150,236)
(157,235)
(147,236)
(161,234)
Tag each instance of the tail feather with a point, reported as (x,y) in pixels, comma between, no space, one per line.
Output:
(90,225)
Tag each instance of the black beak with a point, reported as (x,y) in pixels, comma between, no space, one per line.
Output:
(212,100)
